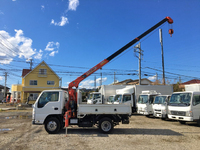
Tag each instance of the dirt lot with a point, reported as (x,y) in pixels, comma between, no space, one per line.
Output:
(17,133)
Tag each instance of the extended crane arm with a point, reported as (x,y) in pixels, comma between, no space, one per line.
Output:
(72,102)
(76,82)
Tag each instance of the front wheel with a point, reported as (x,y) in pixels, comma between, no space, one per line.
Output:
(106,125)
(52,125)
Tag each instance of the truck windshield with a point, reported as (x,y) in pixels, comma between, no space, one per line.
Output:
(118,98)
(90,96)
(111,99)
(180,99)
(143,99)
(160,99)
(96,95)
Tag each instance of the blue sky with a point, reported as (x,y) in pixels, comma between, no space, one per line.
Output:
(72,36)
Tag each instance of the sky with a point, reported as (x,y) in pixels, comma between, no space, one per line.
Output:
(72,36)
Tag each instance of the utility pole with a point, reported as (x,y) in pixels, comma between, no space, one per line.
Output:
(95,82)
(31,64)
(137,49)
(114,77)
(101,79)
(161,42)
(5,90)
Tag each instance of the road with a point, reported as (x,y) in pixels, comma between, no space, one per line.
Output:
(17,132)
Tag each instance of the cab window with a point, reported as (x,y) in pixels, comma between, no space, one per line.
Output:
(126,98)
(47,97)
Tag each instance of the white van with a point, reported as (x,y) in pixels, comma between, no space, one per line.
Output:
(185,106)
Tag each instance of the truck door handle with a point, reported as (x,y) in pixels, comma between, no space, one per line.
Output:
(56,108)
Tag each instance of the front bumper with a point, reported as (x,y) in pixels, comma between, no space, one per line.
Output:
(181,118)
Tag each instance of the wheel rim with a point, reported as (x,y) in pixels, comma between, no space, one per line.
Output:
(106,126)
(52,125)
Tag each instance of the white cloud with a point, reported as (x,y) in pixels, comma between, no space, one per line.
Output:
(64,20)
(39,55)
(73,4)
(152,77)
(1,78)
(53,53)
(42,7)
(89,84)
(13,46)
(52,47)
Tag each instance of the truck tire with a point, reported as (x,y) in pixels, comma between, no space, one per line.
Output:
(105,125)
(198,123)
(52,125)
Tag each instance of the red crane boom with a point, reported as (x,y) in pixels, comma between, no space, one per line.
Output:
(72,102)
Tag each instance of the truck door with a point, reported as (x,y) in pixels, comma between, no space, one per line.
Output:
(48,103)
(150,106)
(127,99)
(196,106)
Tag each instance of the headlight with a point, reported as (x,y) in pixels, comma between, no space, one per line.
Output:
(189,113)
(169,112)
(164,111)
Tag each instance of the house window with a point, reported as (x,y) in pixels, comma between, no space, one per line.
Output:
(33,82)
(43,71)
(50,82)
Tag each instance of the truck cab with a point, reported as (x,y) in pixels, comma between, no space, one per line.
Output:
(49,103)
(160,106)
(145,102)
(185,107)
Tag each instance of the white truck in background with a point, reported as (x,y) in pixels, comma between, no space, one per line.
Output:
(126,94)
(145,100)
(160,106)
(185,106)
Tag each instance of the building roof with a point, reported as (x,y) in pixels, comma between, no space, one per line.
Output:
(191,82)
(25,72)
(131,82)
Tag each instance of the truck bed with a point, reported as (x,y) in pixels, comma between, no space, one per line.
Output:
(84,109)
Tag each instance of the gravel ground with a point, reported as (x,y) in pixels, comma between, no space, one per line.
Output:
(17,133)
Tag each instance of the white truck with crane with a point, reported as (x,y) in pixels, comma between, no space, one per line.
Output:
(56,109)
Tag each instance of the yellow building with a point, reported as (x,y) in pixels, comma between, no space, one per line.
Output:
(42,77)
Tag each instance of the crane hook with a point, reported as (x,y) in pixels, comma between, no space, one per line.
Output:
(171,31)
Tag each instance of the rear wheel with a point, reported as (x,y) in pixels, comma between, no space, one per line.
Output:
(198,123)
(106,125)
(52,125)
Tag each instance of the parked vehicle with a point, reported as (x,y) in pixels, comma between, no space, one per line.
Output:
(127,94)
(185,107)
(94,98)
(49,110)
(160,106)
(52,107)
(145,102)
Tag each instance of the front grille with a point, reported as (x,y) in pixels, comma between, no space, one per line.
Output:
(178,113)
(157,110)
